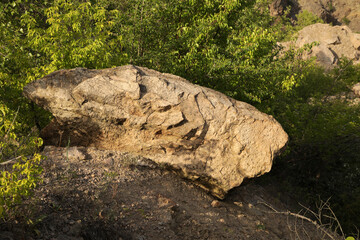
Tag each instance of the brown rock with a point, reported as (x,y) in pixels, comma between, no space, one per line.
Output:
(278,7)
(215,204)
(202,134)
(336,12)
(356,90)
(333,42)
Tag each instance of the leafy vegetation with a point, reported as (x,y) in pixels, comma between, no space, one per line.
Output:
(304,18)
(17,183)
(323,152)
(230,46)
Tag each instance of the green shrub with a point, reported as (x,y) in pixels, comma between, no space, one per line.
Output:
(304,19)
(346,21)
(324,148)
(17,183)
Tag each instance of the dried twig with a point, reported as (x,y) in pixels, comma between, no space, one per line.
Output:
(332,217)
(10,161)
(13,160)
(288,213)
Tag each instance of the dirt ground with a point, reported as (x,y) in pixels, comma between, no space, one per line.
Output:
(100,194)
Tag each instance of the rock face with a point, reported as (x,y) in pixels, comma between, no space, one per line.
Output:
(345,12)
(202,134)
(356,89)
(278,7)
(336,12)
(334,42)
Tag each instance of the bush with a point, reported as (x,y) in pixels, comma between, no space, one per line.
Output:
(17,183)
(304,19)
(324,148)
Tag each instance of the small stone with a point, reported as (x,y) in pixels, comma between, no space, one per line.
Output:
(356,89)
(215,204)
(74,154)
(109,161)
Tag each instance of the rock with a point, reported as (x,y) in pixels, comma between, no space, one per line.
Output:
(278,7)
(345,12)
(356,90)
(202,134)
(323,55)
(74,154)
(321,8)
(333,42)
(215,204)
(355,41)
(336,12)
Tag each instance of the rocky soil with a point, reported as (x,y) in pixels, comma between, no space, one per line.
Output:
(102,194)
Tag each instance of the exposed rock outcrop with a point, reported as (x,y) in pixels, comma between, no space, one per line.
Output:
(278,7)
(356,90)
(346,12)
(334,42)
(324,9)
(336,12)
(204,135)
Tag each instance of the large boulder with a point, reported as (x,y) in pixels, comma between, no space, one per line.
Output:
(202,134)
(333,42)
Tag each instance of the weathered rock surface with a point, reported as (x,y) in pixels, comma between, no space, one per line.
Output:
(204,135)
(356,89)
(336,12)
(278,7)
(334,42)
(345,12)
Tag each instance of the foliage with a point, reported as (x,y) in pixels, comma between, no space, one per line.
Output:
(37,38)
(12,142)
(17,183)
(346,21)
(304,19)
(324,147)
(226,45)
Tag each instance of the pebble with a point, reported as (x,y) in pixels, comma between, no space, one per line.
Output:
(215,204)
(240,204)
(73,154)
